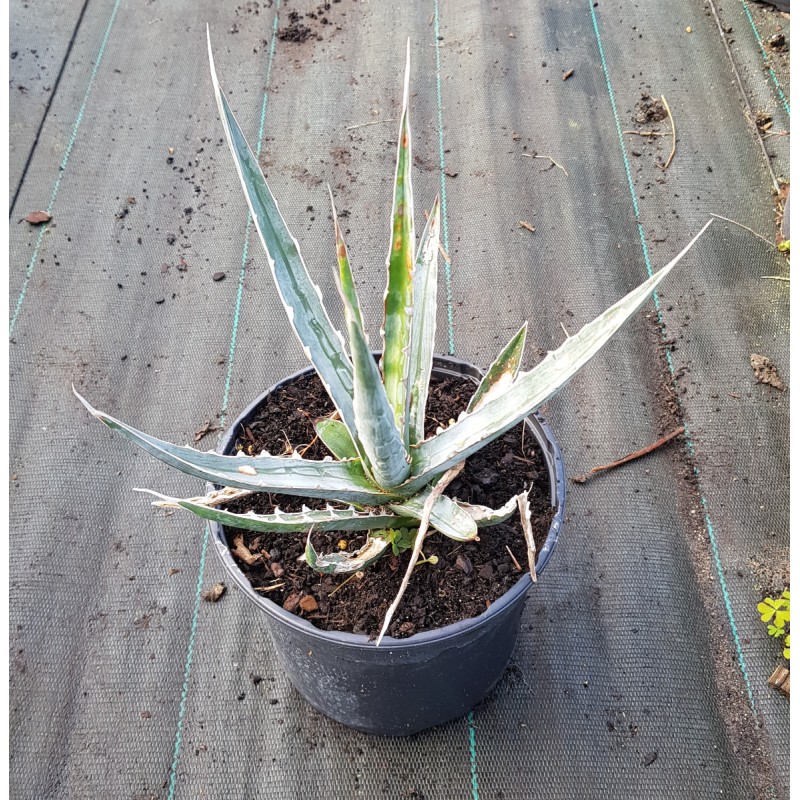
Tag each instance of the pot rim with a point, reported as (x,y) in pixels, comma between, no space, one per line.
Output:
(552,454)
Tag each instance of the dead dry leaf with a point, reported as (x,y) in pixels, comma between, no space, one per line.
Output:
(38,217)
(242,553)
(214,594)
(308,603)
(766,372)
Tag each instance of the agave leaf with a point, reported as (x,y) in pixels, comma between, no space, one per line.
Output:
(400,265)
(377,435)
(530,389)
(503,371)
(331,480)
(446,515)
(322,343)
(336,438)
(329,519)
(344,563)
(485,516)
(347,285)
(423,325)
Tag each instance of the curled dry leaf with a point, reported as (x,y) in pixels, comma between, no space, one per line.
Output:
(214,594)
(242,553)
(308,603)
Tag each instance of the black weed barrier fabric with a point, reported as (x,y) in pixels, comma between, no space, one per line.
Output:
(642,666)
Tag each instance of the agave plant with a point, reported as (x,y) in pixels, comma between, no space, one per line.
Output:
(383,473)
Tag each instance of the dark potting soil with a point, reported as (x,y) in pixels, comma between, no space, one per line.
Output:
(468,576)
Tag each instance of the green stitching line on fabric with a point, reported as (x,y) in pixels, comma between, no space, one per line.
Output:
(687,435)
(447,276)
(473,756)
(766,58)
(473,745)
(62,168)
(173,774)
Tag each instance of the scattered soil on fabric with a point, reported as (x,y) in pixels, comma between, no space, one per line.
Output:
(295,31)
(311,25)
(468,576)
(649,110)
(746,736)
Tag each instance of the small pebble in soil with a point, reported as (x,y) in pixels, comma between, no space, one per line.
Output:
(218,276)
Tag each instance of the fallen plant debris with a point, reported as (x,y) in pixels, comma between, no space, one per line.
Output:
(568,74)
(763,121)
(205,430)
(241,552)
(366,124)
(527,226)
(780,680)
(553,162)
(38,217)
(674,133)
(734,222)
(766,372)
(214,594)
(631,456)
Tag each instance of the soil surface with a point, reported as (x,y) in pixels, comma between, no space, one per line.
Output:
(466,579)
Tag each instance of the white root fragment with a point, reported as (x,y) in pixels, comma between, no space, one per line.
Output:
(418,542)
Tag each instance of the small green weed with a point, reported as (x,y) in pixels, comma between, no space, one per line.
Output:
(775,612)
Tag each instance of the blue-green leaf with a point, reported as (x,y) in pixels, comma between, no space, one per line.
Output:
(331,480)
(329,519)
(530,389)
(322,343)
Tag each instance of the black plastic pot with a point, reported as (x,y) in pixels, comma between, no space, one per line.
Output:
(404,685)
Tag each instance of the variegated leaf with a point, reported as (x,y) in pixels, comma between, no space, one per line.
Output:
(346,563)
(502,372)
(485,516)
(346,283)
(377,435)
(331,480)
(423,325)
(302,298)
(530,389)
(400,265)
(329,519)
(446,515)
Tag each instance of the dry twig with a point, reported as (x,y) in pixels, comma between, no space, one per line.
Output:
(514,560)
(631,456)
(525,519)
(734,222)
(646,133)
(674,134)
(365,124)
(418,542)
(553,162)
(527,226)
